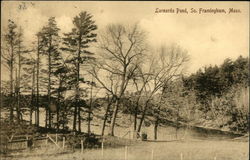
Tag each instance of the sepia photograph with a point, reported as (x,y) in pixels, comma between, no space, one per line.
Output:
(124,80)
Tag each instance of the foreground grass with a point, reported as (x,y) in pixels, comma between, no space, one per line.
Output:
(190,150)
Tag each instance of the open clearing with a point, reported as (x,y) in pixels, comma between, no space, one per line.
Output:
(188,149)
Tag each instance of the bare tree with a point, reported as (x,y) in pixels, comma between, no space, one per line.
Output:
(141,79)
(94,90)
(168,63)
(120,51)
(109,84)
(157,103)
(110,99)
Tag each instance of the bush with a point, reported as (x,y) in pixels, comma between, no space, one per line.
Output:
(144,136)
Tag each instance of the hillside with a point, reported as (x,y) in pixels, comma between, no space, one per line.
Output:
(124,125)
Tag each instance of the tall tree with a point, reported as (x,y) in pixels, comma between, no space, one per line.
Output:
(21,60)
(51,47)
(28,85)
(168,64)
(77,42)
(39,50)
(9,55)
(110,100)
(60,71)
(90,106)
(107,83)
(141,79)
(121,49)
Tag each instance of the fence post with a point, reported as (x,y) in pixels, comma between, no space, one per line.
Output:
(27,141)
(126,152)
(152,154)
(215,158)
(102,149)
(181,156)
(81,146)
(56,137)
(63,142)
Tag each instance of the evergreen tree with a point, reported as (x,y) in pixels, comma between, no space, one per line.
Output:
(21,60)
(60,72)
(9,54)
(77,43)
(50,40)
(29,76)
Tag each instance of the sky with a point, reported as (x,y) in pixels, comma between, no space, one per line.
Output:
(209,38)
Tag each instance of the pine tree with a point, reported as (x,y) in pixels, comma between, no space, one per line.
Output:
(9,54)
(21,61)
(50,40)
(76,43)
(29,75)
(60,72)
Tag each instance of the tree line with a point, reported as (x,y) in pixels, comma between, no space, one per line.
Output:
(43,75)
(63,72)
(222,92)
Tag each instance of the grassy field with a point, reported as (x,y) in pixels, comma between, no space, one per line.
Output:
(189,149)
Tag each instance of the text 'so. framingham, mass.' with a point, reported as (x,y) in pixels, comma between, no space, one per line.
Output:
(197,11)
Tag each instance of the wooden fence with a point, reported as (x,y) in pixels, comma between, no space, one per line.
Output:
(21,142)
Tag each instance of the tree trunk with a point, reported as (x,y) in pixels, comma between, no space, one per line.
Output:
(176,132)
(57,116)
(135,118)
(89,119)
(155,128)
(106,116)
(63,115)
(16,96)
(77,106)
(79,118)
(11,82)
(1,99)
(122,89)
(46,117)
(177,123)
(32,94)
(30,116)
(49,83)
(58,104)
(143,116)
(112,125)
(90,107)
(37,82)
(136,109)
(18,81)
(74,118)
